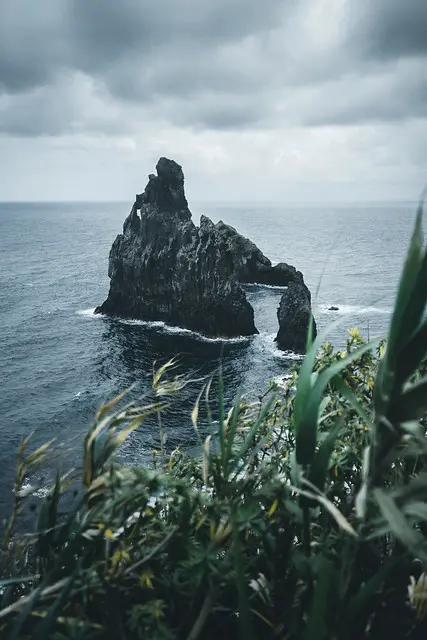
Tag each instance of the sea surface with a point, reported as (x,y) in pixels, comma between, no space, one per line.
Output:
(58,361)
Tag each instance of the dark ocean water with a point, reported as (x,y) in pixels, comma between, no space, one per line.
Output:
(58,361)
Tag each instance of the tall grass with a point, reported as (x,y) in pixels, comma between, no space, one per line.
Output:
(308,521)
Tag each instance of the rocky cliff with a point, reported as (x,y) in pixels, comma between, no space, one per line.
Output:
(294,314)
(250,264)
(163,267)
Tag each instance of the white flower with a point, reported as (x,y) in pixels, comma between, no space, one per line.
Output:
(417,592)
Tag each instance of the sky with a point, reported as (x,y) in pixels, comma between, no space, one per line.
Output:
(259,101)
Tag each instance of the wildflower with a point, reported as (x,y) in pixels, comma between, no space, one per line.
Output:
(119,556)
(417,592)
(145,579)
(109,534)
(354,333)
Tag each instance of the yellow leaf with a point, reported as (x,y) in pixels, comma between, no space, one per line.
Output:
(145,578)
(159,373)
(273,507)
(117,556)
(38,452)
(206,460)
(106,407)
(109,534)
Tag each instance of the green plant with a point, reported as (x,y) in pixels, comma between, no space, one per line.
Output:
(308,520)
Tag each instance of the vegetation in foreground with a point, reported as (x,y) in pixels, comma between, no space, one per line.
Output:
(307,521)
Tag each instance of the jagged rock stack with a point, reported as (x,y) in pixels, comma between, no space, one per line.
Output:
(164,267)
(294,314)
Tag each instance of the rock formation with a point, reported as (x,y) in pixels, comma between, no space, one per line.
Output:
(251,265)
(294,314)
(163,267)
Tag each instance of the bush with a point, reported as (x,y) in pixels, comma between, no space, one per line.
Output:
(307,520)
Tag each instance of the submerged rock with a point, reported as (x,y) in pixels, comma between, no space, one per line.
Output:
(251,265)
(294,314)
(163,267)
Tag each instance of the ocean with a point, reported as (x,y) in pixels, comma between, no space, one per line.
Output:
(58,361)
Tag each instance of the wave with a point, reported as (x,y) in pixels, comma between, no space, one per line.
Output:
(269,340)
(281,381)
(266,286)
(40,492)
(89,313)
(347,309)
(167,328)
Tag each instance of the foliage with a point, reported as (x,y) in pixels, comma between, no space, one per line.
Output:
(307,521)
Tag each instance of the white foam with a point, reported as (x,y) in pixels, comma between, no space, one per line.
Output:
(281,380)
(89,313)
(159,324)
(278,287)
(347,309)
(269,340)
(27,489)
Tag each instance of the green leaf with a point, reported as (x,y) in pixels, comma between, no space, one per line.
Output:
(245,621)
(412,404)
(351,398)
(17,580)
(25,611)
(339,518)
(233,426)
(417,510)
(42,630)
(323,601)
(320,464)
(363,600)
(254,429)
(306,437)
(398,524)
(402,322)
(304,382)
(221,427)
(411,354)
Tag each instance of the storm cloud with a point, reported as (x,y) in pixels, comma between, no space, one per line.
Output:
(293,76)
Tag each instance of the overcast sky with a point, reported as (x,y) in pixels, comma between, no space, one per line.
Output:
(267,100)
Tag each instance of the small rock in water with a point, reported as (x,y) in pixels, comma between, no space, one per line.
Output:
(333,308)
(294,315)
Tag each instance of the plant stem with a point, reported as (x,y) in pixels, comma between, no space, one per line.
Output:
(306,530)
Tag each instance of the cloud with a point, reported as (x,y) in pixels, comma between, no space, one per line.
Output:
(216,65)
(33,49)
(284,81)
(390,29)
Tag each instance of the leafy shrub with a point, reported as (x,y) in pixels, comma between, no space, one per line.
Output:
(308,520)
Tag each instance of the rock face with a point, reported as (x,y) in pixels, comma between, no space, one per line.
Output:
(163,267)
(251,265)
(294,315)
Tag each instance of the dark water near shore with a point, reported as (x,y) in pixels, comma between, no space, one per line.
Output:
(58,361)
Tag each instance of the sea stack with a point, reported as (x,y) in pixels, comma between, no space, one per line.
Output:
(251,265)
(294,315)
(163,267)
